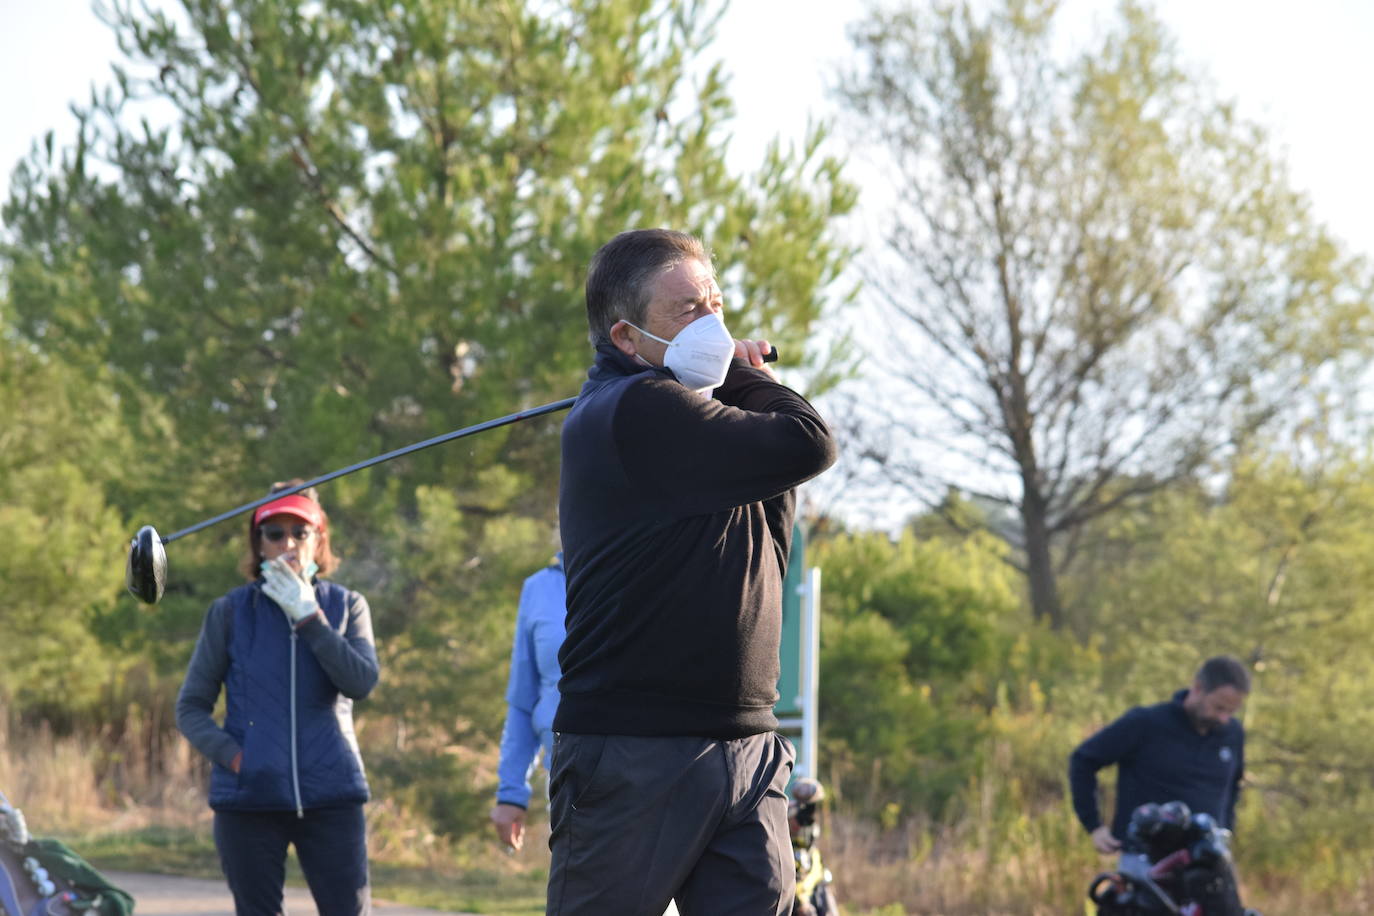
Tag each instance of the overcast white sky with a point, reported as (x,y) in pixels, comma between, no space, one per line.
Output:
(1305,69)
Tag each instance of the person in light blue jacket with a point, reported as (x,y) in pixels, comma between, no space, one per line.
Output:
(531,697)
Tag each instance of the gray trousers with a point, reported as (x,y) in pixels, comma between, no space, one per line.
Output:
(637,822)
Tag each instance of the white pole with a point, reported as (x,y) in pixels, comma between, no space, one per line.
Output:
(808,764)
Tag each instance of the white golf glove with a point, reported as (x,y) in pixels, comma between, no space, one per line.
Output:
(293,593)
(12,826)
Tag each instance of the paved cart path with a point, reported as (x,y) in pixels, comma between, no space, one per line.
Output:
(165,895)
(168,895)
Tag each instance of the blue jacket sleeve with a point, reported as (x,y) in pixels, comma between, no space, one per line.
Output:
(518,747)
(1111,745)
(519,742)
(200,691)
(348,656)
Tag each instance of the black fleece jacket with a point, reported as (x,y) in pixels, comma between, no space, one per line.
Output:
(676,516)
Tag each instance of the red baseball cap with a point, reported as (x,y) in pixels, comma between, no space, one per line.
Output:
(302,507)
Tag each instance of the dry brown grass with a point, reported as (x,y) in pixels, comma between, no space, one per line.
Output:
(952,871)
(987,864)
(81,784)
(1037,869)
(73,786)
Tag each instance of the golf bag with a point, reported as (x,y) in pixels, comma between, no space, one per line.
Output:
(814,896)
(45,878)
(1173,862)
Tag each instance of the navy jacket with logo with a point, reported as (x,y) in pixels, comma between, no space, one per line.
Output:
(1160,757)
(288,700)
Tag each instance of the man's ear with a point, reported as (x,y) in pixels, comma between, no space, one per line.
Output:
(620,337)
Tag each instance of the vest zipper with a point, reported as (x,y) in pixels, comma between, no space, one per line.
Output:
(295,771)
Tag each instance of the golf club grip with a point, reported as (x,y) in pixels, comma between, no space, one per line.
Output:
(771,356)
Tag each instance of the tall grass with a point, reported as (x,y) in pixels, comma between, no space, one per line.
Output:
(116,779)
(1034,859)
(135,776)
(1001,853)
(958,869)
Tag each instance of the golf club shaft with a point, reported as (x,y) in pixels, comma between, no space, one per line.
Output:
(406,450)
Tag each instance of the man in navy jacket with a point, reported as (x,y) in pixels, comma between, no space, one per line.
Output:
(1190,749)
(680,460)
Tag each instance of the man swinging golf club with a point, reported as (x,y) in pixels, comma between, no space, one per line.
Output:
(680,460)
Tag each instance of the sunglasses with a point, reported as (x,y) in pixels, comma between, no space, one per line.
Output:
(275,533)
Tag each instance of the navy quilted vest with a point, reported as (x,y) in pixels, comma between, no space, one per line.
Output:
(328,770)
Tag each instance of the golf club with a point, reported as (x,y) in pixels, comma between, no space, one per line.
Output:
(146,573)
(145,576)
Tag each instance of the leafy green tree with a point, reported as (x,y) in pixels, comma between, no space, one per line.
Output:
(909,632)
(362,225)
(367,224)
(61,564)
(1097,277)
(450,621)
(1273,569)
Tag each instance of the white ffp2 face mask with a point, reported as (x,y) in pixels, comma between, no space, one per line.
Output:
(700,354)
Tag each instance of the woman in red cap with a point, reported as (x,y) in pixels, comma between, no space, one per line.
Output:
(292,651)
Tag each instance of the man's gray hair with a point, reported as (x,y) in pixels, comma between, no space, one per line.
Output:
(619,278)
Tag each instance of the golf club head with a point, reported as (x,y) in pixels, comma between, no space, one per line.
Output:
(146,574)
